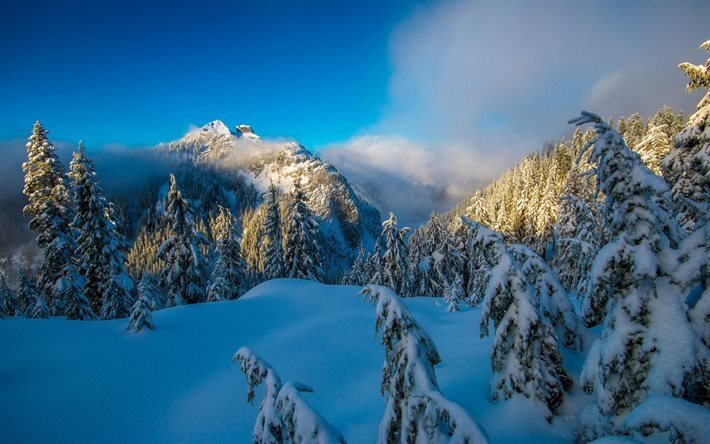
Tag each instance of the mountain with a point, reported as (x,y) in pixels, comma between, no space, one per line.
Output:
(346,219)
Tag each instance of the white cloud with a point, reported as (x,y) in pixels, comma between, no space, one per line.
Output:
(479,84)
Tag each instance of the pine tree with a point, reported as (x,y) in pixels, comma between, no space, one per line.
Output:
(27,296)
(416,409)
(228,276)
(101,244)
(634,357)
(39,308)
(274,267)
(525,358)
(687,167)
(57,239)
(551,297)
(454,293)
(391,257)
(6,308)
(357,274)
(655,146)
(141,311)
(301,249)
(284,415)
(72,291)
(186,268)
(43,170)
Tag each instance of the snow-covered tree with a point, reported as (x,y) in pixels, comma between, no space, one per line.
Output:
(688,166)
(274,266)
(6,307)
(525,356)
(357,274)
(101,245)
(416,409)
(454,293)
(185,272)
(141,311)
(655,146)
(40,310)
(71,290)
(57,239)
(27,295)
(149,286)
(229,274)
(284,415)
(302,255)
(635,357)
(391,257)
(43,170)
(577,233)
(551,297)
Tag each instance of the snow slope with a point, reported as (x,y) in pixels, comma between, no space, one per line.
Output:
(72,381)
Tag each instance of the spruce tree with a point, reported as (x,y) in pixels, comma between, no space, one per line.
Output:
(228,276)
(302,255)
(141,311)
(27,295)
(39,308)
(416,410)
(6,308)
(185,272)
(357,274)
(391,258)
(284,415)
(43,171)
(101,245)
(274,266)
(635,358)
(57,239)
(525,357)
(687,167)
(454,293)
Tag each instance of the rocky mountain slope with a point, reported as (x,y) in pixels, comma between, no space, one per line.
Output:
(345,218)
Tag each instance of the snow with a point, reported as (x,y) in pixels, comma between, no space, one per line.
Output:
(90,381)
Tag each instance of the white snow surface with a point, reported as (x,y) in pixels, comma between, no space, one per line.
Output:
(94,381)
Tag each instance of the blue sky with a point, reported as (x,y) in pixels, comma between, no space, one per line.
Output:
(141,72)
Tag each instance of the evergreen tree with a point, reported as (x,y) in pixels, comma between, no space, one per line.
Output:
(391,257)
(27,296)
(141,311)
(6,308)
(57,239)
(687,167)
(274,267)
(634,357)
(525,356)
(101,244)
(655,146)
(72,291)
(550,296)
(416,409)
(228,276)
(454,293)
(43,171)
(186,268)
(301,250)
(39,308)
(357,274)
(284,415)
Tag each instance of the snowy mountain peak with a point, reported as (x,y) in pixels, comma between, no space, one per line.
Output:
(216,127)
(247,131)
